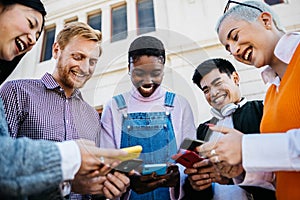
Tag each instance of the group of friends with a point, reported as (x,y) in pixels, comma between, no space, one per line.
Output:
(54,145)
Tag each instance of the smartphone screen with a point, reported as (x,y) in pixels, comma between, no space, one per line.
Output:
(190,144)
(128,165)
(159,169)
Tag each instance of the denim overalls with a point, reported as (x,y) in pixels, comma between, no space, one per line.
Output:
(154,131)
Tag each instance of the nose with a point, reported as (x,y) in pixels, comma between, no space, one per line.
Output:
(85,66)
(234,49)
(32,38)
(147,79)
(214,91)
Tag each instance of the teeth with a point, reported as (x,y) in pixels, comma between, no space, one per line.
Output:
(147,89)
(78,74)
(246,56)
(21,45)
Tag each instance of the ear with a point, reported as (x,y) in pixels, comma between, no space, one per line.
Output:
(55,50)
(236,78)
(128,67)
(266,19)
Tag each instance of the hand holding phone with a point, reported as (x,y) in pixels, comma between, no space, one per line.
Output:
(187,158)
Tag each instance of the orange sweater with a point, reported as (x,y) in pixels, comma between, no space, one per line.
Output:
(281,113)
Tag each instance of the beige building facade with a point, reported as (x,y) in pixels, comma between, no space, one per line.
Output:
(187,28)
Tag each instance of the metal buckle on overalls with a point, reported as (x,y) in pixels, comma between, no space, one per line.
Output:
(167,113)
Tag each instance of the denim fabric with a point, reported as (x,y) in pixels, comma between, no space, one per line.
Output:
(154,131)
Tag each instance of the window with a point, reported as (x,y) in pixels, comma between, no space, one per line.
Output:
(73,19)
(145,12)
(48,41)
(119,23)
(273,2)
(94,20)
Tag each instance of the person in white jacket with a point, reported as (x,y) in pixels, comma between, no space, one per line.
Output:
(251,32)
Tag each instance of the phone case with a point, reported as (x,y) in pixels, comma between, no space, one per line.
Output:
(133,152)
(190,144)
(187,158)
(128,165)
(160,169)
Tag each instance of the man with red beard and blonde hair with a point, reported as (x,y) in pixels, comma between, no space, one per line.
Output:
(52,108)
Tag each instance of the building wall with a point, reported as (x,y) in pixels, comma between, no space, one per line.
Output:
(185,26)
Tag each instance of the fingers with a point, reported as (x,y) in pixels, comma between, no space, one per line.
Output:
(115,185)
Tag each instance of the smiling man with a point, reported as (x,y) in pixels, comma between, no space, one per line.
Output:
(219,82)
(52,108)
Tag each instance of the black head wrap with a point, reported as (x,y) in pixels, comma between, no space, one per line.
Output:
(146,45)
(6,67)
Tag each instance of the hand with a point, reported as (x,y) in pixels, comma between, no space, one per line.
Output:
(115,185)
(172,176)
(90,156)
(145,183)
(229,171)
(227,149)
(92,183)
(202,175)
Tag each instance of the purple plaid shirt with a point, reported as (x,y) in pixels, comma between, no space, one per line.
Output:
(39,109)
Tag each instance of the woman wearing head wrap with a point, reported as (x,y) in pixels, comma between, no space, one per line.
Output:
(34,169)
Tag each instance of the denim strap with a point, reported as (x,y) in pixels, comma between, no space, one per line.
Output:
(120,101)
(169,99)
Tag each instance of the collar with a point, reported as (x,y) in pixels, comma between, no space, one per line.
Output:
(157,94)
(51,84)
(284,51)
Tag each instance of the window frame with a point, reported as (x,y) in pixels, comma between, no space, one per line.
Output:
(112,36)
(95,14)
(145,29)
(45,42)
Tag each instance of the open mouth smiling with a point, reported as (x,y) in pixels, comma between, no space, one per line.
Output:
(147,87)
(77,74)
(20,45)
(219,99)
(247,54)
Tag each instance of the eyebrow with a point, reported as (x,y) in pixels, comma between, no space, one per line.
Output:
(229,34)
(212,83)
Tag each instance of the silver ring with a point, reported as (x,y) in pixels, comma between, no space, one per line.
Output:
(217,159)
(213,152)
(102,159)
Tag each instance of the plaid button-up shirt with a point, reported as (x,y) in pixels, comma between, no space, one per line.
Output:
(39,109)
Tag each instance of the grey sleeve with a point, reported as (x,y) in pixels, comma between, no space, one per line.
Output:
(27,167)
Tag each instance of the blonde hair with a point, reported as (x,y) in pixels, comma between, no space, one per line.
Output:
(78,29)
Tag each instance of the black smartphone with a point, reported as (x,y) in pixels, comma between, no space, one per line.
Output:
(190,144)
(128,165)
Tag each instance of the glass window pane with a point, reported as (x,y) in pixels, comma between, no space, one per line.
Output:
(47,44)
(95,21)
(146,22)
(273,2)
(119,23)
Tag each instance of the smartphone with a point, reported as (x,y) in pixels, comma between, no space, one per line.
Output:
(160,169)
(190,144)
(128,165)
(133,152)
(187,158)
